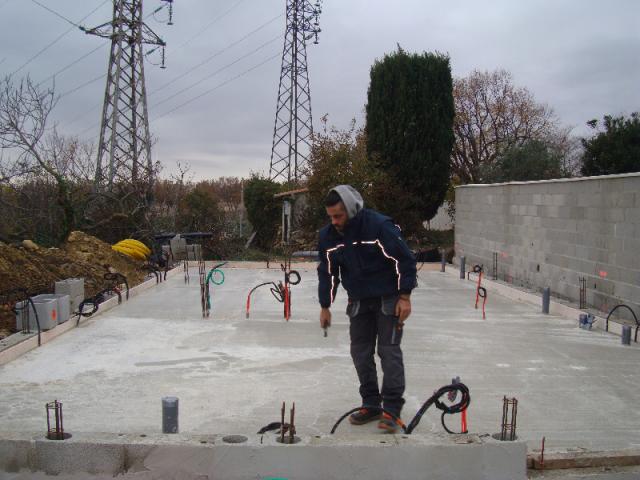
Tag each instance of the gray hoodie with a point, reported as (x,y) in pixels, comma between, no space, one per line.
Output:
(351,198)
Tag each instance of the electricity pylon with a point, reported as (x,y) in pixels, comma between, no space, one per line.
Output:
(124,148)
(293,129)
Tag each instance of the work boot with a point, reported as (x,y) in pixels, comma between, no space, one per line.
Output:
(388,424)
(364,415)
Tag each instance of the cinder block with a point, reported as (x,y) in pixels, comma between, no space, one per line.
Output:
(47,310)
(632,215)
(74,287)
(622,230)
(63,302)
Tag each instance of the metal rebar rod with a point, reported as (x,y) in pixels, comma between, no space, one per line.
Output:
(292,429)
(282,424)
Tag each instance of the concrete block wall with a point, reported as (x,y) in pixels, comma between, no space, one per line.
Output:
(551,233)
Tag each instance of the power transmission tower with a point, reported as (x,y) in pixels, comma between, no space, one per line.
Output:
(293,129)
(124,148)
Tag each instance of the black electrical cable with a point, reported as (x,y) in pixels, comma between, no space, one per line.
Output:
(296,274)
(622,305)
(463,404)
(152,269)
(458,407)
(81,313)
(95,301)
(370,407)
(277,291)
(119,278)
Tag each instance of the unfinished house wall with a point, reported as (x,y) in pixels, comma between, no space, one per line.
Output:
(552,233)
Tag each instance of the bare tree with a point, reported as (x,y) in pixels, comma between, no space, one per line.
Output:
(29,146)
(493,115)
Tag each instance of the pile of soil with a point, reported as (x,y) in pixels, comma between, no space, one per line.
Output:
(36,269)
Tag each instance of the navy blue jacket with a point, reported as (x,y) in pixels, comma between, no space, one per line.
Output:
(370,257)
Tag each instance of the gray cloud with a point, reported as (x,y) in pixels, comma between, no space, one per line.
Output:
(578,56)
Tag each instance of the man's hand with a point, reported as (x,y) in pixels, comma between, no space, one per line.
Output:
(403,309)
(325,318)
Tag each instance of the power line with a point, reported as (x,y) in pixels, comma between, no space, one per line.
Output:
(209,76)
(73,90)
(218,53)
(92,109)
(206,92)
(153,13)
(56,13)
(221,69)
(60,37)
(102,45)
(209,25)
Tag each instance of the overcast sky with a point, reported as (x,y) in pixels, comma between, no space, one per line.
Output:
(581,57)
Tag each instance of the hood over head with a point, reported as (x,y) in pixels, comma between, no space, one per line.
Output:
(351,198)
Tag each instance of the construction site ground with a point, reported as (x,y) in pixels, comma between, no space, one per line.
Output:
(578,389)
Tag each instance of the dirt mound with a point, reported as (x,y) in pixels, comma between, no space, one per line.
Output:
(36,269)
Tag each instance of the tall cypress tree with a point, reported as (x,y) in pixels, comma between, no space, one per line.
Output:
(409,128)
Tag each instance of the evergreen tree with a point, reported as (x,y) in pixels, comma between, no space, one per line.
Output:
(410,113)
(614,150)
(263,211)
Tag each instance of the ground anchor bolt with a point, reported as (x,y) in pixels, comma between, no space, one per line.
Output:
(546,300)
(169,414)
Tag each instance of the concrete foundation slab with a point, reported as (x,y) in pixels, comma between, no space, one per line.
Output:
(577,388)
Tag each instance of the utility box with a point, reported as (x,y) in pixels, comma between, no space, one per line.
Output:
(47,310)
(74,287)
(64,304)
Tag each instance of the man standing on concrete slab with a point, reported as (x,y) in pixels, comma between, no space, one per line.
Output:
(365,251)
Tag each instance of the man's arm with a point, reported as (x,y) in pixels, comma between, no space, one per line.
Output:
(395,247)
(328,281)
